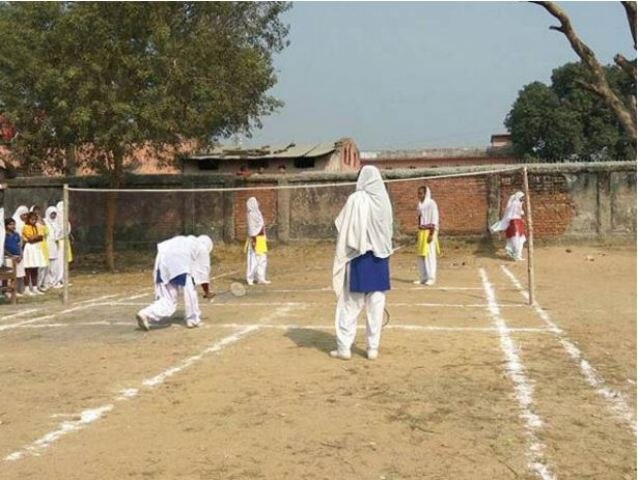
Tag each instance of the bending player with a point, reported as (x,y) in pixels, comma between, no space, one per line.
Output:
(180,264)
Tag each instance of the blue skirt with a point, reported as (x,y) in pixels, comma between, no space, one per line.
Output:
(178,281)
(369,274)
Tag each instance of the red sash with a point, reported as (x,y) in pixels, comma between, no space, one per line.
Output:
(515,227)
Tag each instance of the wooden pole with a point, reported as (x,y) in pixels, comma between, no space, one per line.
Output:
(530,239)
(65,246)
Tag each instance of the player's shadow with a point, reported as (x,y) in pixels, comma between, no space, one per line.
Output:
(318,339)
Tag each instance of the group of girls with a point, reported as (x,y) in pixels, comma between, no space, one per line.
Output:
(36,245)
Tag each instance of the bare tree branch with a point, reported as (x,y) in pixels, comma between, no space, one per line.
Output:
(588,86)
(627,65)
(630,10)
(599,84)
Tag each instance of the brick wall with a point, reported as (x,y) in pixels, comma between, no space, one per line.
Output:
(462,204)
(267,200)
(569,201)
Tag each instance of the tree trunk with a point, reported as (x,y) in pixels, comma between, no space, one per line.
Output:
(599,84)
(70,167)
(111,212)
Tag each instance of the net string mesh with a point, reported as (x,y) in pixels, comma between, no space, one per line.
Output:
(468,204)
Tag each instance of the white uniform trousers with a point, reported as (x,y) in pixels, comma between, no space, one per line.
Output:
(165,304)
(514,246)
(255,266)
(348,309)
(53,271)
(427,265)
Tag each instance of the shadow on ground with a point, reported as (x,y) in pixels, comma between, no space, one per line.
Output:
(317,339)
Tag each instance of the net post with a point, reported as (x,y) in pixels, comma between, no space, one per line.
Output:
(530,238)
(65,247)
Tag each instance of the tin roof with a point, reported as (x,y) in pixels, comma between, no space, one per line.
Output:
(292,150)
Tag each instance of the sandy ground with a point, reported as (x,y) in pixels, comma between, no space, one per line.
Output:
(85,394)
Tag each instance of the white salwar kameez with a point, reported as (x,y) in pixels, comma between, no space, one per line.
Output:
(64,250)
(177,256)
(428,212)
(54,270)
(364,224)
(349,307)
(515,243)
(256,263)
(255,266)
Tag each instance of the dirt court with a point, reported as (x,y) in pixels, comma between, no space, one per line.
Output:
(471,382)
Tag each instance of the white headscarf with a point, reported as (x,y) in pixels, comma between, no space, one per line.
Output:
(179,255)
(428,210)
(200,266)
(54,233)
(53,225)
(254,218)
(513,210)
(60,218)
(364,224)
(22,209)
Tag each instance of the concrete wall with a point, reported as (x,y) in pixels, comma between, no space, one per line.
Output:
(595,201)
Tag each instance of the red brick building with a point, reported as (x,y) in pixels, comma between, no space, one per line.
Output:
(339,156)
(498,152)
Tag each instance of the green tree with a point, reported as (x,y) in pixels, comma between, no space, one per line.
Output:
(110,77)
(564,121)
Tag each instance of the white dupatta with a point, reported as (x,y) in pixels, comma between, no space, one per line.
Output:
(364,224)
(513,210)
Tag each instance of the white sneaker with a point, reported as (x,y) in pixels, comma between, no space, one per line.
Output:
(417,282)
(341,355)
(373,354)
(28,292)
(59,285)
(142,321)
(35,291)
(264,282)
(429,283)
(249,282)
(191,324)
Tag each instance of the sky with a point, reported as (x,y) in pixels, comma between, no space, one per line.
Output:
(409,75)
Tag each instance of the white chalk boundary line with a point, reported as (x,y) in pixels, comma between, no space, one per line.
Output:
(19,314)
(522,387)
(91,300)
(435,328)
(615,399)
(22,313)
(415,304)
(91,415)
(328,289)
(232,304)
(84,305)
(80,307)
